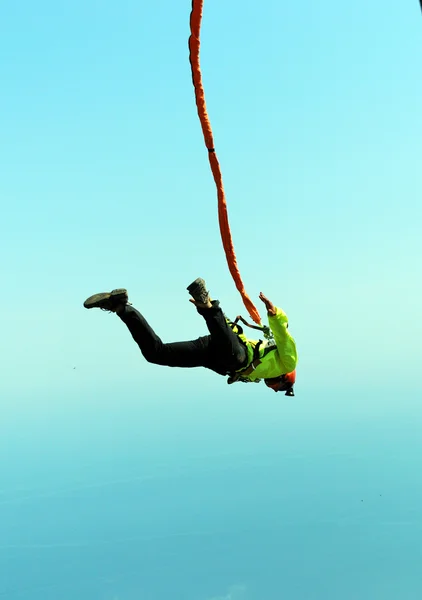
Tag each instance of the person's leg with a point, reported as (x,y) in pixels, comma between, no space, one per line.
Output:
(227,347)
(193,353)
(222,350)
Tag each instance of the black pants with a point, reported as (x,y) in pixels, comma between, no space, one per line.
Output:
(222,351)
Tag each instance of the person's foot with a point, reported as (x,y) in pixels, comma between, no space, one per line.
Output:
(199,293)
(110,301)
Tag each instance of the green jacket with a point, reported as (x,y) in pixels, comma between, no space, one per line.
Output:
(282,359)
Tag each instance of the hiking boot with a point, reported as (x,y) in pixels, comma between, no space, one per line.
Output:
(110,301)
(198,291)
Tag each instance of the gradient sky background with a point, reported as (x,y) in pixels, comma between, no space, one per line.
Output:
(122,480)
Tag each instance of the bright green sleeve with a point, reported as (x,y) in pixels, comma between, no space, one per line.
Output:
(286,345)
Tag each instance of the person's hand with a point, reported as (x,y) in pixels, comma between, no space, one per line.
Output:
(271,309)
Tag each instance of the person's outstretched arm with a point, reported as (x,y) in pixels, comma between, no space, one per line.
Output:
(278,322)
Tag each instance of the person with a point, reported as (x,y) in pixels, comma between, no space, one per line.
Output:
(225,350)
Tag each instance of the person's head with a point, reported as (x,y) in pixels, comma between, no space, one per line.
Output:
(282,383)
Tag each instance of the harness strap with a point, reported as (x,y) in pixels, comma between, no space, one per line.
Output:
(264,328)
(256,360)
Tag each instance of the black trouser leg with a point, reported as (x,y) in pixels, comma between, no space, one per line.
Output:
(227,347)
(221,351)
(193,353)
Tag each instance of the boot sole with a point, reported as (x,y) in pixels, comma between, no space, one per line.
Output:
(195,284)
(195,287)
(96,300)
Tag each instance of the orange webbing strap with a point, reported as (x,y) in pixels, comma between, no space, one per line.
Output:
(194,45)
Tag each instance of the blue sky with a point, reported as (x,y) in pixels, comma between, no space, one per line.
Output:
(106,180)
(105,183)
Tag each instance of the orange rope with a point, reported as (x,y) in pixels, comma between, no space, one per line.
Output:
(194,46)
